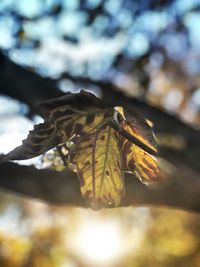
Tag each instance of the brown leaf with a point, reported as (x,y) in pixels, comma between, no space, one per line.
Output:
(65,117)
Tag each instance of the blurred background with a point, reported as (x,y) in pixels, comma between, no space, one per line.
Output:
(148,50)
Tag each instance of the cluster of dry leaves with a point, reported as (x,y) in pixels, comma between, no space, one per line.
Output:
(97,142)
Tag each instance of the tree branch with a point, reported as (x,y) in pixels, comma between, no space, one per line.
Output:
(48,185)
(25,85)
(62,188)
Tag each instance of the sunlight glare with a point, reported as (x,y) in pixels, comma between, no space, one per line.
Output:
(99,242)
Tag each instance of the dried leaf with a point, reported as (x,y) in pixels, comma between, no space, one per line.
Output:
(96,149)
(99,167)
(62,121)
(139,128)
(136,159)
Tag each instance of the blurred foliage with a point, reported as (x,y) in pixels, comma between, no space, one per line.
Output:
(171,240)
(149,49)
(44,236)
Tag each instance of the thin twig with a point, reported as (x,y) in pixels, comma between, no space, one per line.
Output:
(131,138)
(61,155)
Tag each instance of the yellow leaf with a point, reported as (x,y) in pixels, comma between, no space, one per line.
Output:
(99,167)
(137,160)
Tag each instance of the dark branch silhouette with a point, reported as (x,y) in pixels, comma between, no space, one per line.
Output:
(63,187)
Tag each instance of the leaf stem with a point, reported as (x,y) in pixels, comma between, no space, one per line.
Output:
(131,138)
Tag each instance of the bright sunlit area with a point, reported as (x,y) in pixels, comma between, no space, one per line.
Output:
(54,236)
(103,240)
(99,242)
